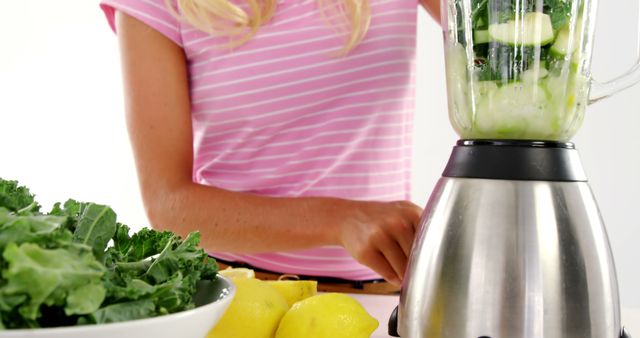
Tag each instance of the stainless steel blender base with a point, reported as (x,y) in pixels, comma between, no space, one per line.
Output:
(511,245)
(393,326)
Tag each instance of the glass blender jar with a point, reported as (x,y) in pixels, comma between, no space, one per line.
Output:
(520,69)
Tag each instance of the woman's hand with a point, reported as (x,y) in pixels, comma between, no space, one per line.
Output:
(380,235)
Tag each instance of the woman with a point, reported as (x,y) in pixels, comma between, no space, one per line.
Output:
(279,129)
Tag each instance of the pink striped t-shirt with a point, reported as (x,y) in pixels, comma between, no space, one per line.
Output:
(281,116)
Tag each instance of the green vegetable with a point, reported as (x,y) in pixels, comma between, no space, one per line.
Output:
(85,299)
(567,43)
(49,276)
(560,11)
(512,36)
(17,198)
(535,29)
(57,268)
(45,230)
(96,226)
(125,311)
(481,36)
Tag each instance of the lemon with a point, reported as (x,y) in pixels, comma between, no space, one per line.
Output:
(292,290)
(333,315)
(237,273)
(254,312)
(295,290)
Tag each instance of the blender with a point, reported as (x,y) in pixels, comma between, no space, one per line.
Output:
(511,243)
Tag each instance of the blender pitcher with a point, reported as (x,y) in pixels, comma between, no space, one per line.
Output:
(520,69)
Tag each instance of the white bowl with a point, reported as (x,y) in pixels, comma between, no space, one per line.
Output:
(212,300)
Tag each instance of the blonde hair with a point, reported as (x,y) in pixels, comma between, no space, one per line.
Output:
(349,18)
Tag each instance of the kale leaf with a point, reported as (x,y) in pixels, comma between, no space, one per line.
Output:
(16,198)
(96,226)
(58,268)
(559,11)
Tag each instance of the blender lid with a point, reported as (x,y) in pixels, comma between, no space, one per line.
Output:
(515,160)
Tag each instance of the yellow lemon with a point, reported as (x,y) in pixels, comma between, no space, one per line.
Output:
(295,290)
(255,311)
(333,315)
(237,273)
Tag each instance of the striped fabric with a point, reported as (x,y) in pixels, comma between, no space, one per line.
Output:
(281,116)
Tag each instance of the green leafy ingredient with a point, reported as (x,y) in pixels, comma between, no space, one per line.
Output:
(16,198)
(157,265)
(96,226)
(479,14)
(493,60)
(47,276)
(42,229)
(57,268)
(560,12)
(85,299)
(173,258)
(72,210)
(144,243)
(124,311)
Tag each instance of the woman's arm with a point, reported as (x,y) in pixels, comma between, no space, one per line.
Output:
(433,8)
(378,235)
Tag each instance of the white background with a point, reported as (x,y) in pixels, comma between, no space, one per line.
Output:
(62,129)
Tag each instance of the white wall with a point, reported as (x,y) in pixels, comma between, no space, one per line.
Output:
(62,129)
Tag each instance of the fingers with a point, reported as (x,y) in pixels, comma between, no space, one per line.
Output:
(413,213)
(406,228)
(383,254)
(395,256)
(395,240)
(380,235)
(381,265)
(404,238)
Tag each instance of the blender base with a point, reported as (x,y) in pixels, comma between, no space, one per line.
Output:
(511,244)
(393,327)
